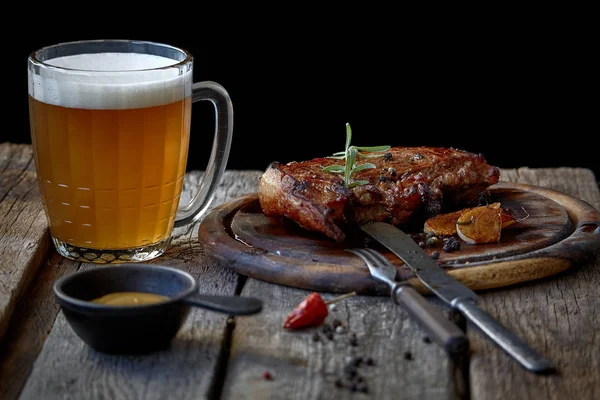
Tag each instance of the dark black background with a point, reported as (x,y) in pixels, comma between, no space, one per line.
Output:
(516,88)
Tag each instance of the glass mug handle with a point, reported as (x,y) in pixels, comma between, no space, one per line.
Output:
(198,205)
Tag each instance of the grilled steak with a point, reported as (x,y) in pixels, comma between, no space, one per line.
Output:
(408,181)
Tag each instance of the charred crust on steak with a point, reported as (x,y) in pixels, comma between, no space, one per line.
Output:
(399,188)
(299,187)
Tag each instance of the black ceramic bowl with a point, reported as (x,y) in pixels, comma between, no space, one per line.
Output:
(140,328)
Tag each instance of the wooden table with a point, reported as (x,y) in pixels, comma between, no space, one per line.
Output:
(214,356)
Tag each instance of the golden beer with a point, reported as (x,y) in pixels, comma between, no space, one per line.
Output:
(111,179)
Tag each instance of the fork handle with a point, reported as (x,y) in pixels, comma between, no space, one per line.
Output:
(442,331)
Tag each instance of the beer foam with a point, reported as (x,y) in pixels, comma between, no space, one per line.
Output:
(112,81)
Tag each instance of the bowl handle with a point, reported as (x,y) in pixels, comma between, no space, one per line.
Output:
(234,305)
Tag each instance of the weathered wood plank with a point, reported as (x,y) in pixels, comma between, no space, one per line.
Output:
(558,316)
(578,182)
(24,239)
(190,369)
(302,368)
(33,320)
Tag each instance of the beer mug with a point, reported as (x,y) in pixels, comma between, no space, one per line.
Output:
(110,126)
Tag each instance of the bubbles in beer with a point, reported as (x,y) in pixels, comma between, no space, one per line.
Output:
(108,81)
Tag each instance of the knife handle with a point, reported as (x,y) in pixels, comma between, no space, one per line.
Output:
(512,344)
(443,331)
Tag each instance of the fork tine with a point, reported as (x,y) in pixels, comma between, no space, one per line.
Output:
(378,256)
(380,267)
(366,256)
(384,262)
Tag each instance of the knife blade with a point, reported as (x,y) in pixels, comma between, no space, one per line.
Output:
(454,293)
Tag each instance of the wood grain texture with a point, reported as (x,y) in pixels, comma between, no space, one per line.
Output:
(405,366)
(558,316)
(24,238)
(67,368)
(33,320)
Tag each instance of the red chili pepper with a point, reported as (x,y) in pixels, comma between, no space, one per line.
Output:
(312,311)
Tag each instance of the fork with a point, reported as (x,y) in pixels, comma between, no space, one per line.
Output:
(444,332)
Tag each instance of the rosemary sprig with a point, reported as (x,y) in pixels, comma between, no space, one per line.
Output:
(350,155)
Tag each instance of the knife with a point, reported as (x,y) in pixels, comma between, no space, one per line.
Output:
(443,331)
(453,292)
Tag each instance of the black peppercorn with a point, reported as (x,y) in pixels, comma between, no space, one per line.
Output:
(451,244)
(432,241)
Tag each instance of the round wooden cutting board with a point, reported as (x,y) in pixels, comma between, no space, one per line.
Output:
(554,232)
